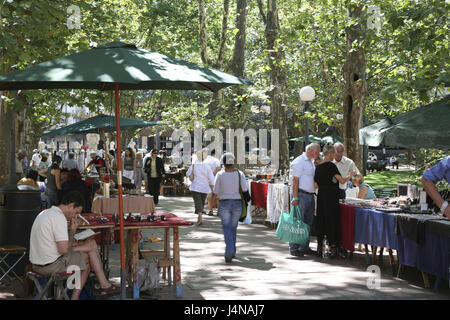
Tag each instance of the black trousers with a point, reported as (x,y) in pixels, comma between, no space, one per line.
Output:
(153,188)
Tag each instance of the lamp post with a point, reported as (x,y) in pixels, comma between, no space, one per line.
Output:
(307,94)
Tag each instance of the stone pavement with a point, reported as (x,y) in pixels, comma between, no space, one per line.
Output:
(264,270)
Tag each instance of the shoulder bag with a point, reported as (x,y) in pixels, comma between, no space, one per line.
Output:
(245,197)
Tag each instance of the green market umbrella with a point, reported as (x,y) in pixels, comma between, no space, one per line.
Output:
(98,124)
(311,139)
(423,127)
(118,66)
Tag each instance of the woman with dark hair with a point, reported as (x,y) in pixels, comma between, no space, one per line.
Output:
(42,165)
(226,186)
(327,179)
(75,183)
(53,175)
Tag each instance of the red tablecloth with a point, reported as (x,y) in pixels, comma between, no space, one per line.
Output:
(347,226)
(259,194)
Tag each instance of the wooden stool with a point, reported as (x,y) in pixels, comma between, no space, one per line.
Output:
(6,251)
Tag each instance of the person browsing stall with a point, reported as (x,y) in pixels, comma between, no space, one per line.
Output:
(327,178)
(53,186)
(303,192)
(438,172)
(345,166)
(53,248)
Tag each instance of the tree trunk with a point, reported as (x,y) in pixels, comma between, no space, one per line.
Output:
(277,79)
(355,84)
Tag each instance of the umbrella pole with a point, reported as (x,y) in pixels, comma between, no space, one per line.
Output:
(123,277)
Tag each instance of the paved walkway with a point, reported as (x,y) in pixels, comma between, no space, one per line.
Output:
(264,270)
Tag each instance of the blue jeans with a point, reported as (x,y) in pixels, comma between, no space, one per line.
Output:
(307,206)
(230,212)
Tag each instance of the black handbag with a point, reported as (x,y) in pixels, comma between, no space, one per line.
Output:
(245,196)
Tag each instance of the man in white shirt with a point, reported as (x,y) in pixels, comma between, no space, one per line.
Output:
(214,164)
(35,160)
(345,166)
(303,192)
(53,248)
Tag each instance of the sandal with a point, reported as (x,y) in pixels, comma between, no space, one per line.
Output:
(110,290)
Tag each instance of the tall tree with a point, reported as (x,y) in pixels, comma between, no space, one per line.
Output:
(277,76)
(355,83)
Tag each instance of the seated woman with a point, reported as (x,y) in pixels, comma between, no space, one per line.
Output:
(30,181)
(365,191)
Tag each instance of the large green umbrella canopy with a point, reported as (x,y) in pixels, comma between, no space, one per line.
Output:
(98,123)
(311,139)
(116,66)
(131,67)
(424,127)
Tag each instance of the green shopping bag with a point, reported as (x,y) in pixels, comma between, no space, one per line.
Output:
(291,228)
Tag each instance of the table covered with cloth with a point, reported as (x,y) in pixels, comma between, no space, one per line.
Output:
(259,192)
(375,227)
(277,201)
(131,204)
(424,243)
(347,213)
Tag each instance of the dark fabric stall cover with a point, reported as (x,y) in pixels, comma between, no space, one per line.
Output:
(412,226)
(433,257)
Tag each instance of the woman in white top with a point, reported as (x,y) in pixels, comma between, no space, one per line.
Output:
(201,185)
(226,185)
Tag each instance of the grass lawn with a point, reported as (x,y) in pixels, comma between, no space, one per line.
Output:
(388,179)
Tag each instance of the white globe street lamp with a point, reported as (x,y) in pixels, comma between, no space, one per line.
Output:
(307,94)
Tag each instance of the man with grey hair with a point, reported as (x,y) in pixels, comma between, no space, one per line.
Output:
(303,191)
(20,155)
(345,166)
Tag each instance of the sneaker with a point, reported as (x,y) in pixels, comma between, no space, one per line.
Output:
(228,259)
(210,213)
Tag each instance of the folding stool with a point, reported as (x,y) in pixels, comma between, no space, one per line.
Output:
(6,251)
(56,280)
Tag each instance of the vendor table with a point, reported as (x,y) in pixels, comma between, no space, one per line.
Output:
(132,246)
(272,197)
(424,243)
(277,201)
(259,194)
(131,204)
(105,228)
(347,226)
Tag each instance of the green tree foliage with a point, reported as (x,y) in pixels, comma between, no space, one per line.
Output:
(407,57)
